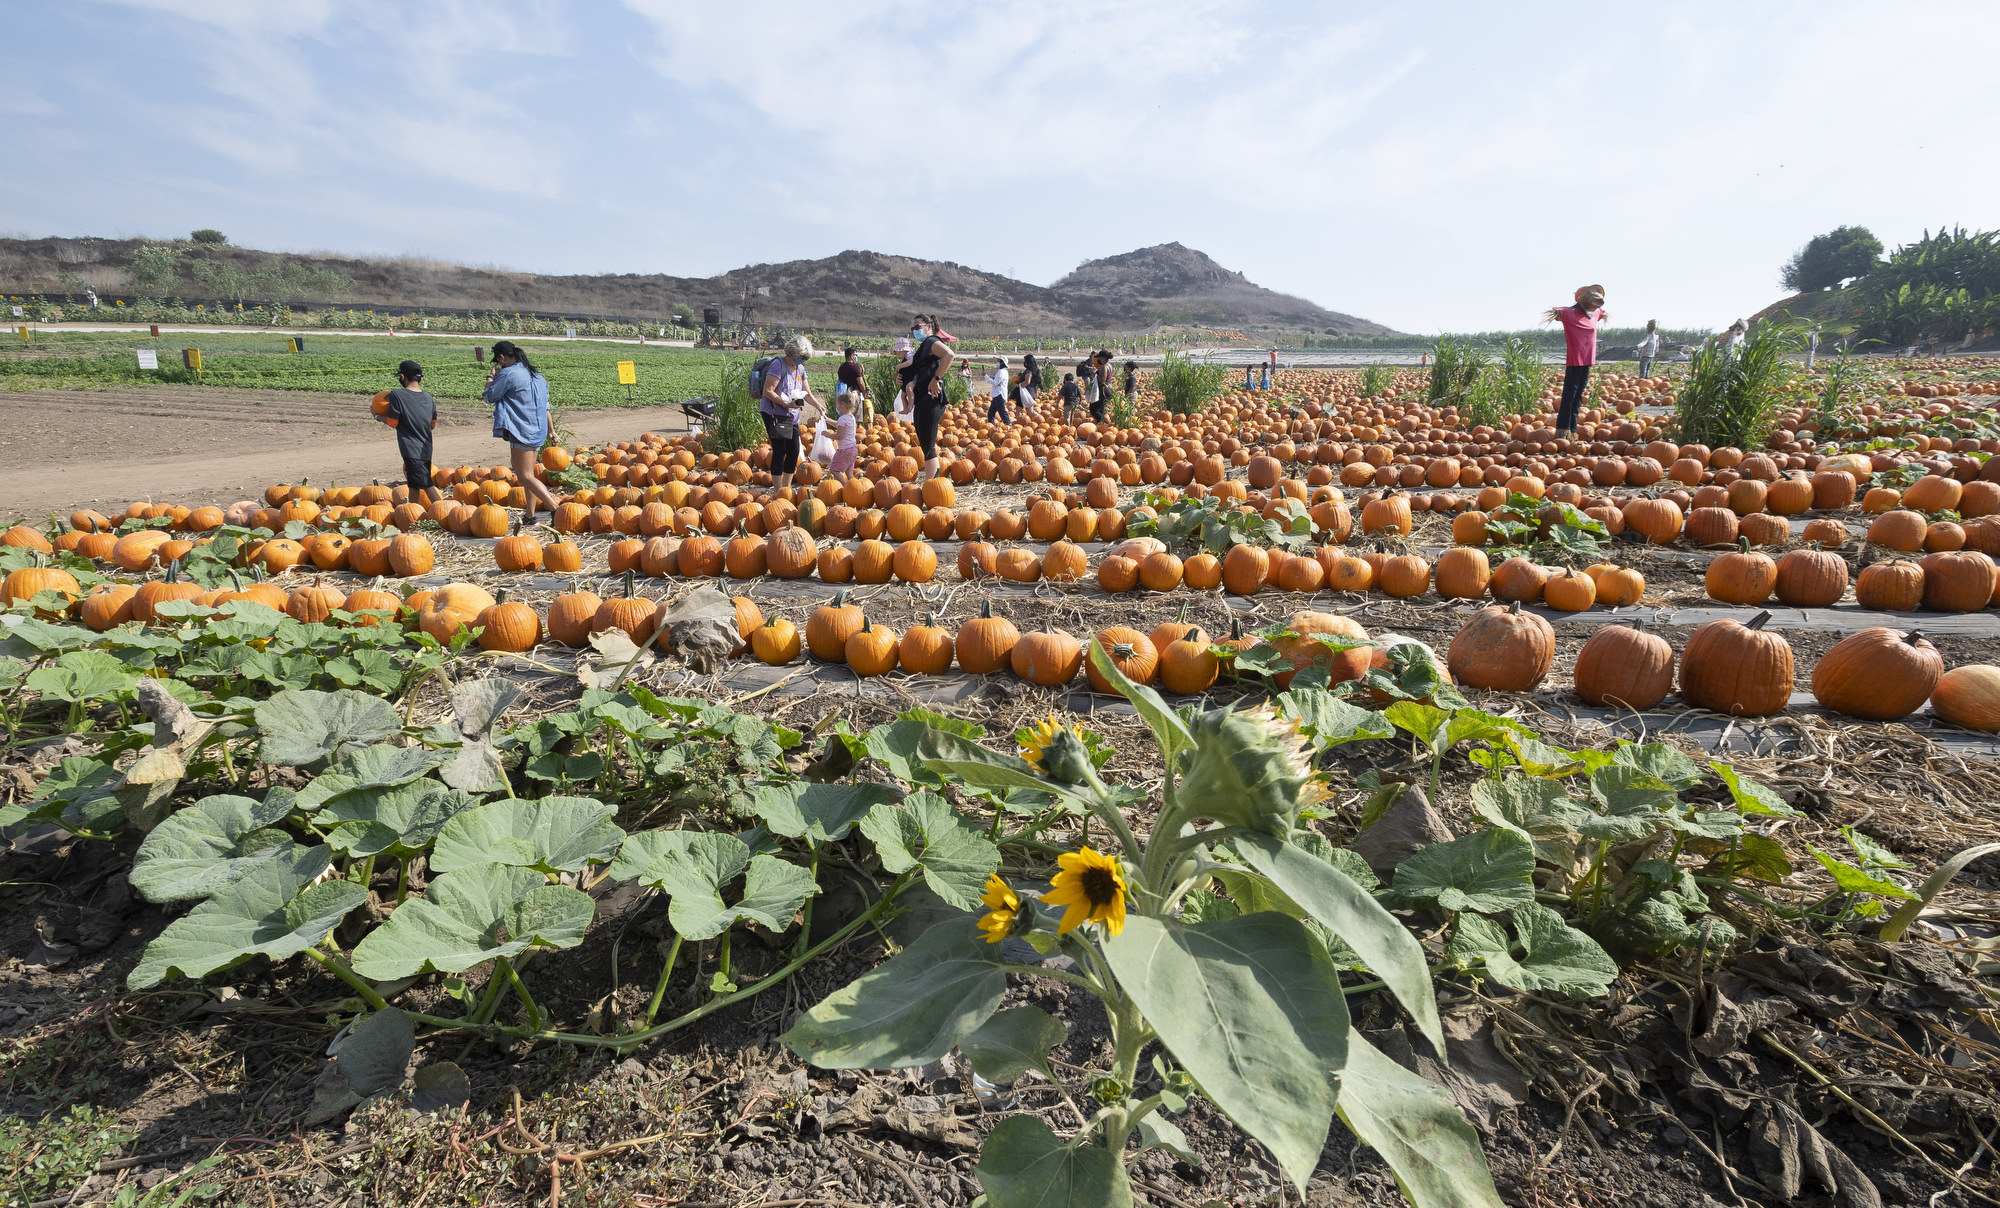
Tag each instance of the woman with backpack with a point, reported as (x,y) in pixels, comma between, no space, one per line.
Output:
(1030,386)
(927,368)
(781,407)
(520,397)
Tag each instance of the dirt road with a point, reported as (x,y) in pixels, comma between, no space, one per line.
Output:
(207,444)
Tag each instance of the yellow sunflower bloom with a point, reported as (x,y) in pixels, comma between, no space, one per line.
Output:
(1039,737)
(1003,907)
(1057,752)
(1091,887)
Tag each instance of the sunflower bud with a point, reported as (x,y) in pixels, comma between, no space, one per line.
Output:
(1248,769)
(1058,752)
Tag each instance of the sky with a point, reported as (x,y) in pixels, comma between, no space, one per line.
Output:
(1433,167)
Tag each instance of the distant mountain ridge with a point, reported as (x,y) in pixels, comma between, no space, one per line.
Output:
(852,291)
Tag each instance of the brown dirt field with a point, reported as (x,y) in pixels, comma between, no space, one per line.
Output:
(212,444)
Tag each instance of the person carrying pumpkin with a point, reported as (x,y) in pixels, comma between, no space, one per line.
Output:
(1580,323)
(413,413)
(520,397)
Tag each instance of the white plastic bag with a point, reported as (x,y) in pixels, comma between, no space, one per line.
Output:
(822,446)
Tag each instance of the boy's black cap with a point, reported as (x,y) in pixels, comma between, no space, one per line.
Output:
(410,369)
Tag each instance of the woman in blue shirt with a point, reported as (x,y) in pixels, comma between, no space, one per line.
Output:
(520,397)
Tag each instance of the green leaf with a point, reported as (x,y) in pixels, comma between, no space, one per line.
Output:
(301,727)
(1158,1132)
(29,636)
(551,834)
(938,721)
(1013,1042)
(83,675)
(1528,805)
(1329,721)
(895,745)
(1168,732)
(208,846)
(979,765)
(1204,905)
(1752,797)
(1555,956)
(462,918)
(1873,854)
(1426,722)
(1760,857)
(1850,879)
(694,867)
(924,831)
(1621,789)
(381,766)
(1487,871)
(265,913)
(817,813)
(1350,912)
(1024,1165)
(910,1010)
(1416,1128)
(1538,758)
(1252,1009)
(402,820)
(1663,761)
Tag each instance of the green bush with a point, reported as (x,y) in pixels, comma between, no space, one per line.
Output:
(1188,385)
(1731,400)
(1456,365)
(735,424)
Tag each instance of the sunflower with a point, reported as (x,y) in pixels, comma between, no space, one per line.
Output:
(1091,886)
(1003,905)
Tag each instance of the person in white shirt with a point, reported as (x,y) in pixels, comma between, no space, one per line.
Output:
(996,382)
(1812,348)
(1648,347)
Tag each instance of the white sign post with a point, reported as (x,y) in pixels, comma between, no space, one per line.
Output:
(148,359)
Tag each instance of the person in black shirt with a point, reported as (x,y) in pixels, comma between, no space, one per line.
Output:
(849,380)
(1071,395)
(413,413)
(927,366)
(1030,384)
(1131,381)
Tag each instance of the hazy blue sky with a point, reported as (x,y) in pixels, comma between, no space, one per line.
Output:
(1427,166)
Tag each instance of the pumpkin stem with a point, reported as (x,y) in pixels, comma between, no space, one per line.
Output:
(1758,621)
(1743,545)
(499,597)
(1514,609)
(1913,637)
(986,608)
(628,584)
(840,599)
(174,571)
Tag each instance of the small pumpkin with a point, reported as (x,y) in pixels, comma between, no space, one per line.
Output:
(1203,572)
(509,625)
(1572,591)
(314,602)
(1167,633)
(108,607)
(1617,586)
(1130,651)
(1244,570)
(1737,669)
(1877,674)
(627,612)
(1742,577)
(1622,665)
(1957,581)
(1890,587)
(874,561)
(1117,574)
(451,608)
(985,643)
(790,552)
(775,642)
(871,650)
(1899,529)
(156,592)
(1810,578)
(1047,658)
(517,552)
(571,615)
(35,578)
(1302,648)
(829,627)
(926,649)
(1518,580)
(1462,573)
(1503,649)
(408,554)
(1406,575)
(976,558)
(1969,696)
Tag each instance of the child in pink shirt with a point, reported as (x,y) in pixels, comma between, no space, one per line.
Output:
(1580,323)
(843,437)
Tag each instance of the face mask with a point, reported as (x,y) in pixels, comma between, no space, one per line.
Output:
(916,333)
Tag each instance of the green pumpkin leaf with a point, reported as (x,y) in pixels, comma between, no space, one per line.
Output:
(381,766)
(1555,956)
(1013,1042)
(551,834)
(1024,1165)
(1487,871)
(1252,1009)
(83,675)
(1158,1132)
(1527,805)
(1663,761)
(693,868)
(1329,721)
(910,1010)
(302,726)
(206,847)
(269,911)
(1352,913)
(470,916)
(1850,879)
(817,813)
(1872,853)
(925,831)
(1416,1128)
(401,820)
(1752,797)
(895,746)
(1426,722)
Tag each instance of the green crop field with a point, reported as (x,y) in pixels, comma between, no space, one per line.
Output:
(579,374)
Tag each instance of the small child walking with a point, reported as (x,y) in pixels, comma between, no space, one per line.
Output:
(1071,396)
(1580,323)
(1131,381)
(413,413)
(843,436)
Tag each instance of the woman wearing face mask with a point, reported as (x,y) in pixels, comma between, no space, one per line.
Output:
(928,364)
(520,398)
(782,408)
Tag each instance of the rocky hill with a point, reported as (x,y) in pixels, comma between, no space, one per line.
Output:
(853,291)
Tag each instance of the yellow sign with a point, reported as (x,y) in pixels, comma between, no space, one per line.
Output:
(26,332)
(191,357)
(627,374)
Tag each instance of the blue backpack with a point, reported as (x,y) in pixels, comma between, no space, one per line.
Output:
(757,372)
